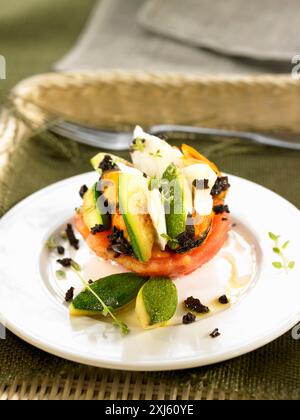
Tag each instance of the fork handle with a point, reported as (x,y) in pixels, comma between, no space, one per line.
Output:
(244,135)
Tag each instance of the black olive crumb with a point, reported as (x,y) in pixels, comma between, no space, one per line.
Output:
(224,219)
(223,300)
(65,262)
(107,164)
(60,250)
(195,305)
(90,281)
(118,243)
(186,239)
(215,333)
(83,190)
(145,175)
(141,140)
(188,318)
(69,295)
(97,229)
(221,208)
(74,242)
(220,185)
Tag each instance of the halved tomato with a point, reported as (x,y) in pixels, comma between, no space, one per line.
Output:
(162,263)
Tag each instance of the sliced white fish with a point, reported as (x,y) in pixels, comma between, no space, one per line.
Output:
(129,169)
(155,154)
(157,214)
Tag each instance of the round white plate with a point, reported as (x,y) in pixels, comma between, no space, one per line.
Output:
(31,301)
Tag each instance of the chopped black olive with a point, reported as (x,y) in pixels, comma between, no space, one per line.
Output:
(221,208)
(90,282)
(118,243)
(107,164)
(74,242)
(223,299)
(195,305)
(69,295)
(201,184)
(224,219)
(187,238)
(97,229)
(220,185)
(65,262)
(188,318)
(83,190)
(145,175)
(141,140)
(215,333)
(60,250)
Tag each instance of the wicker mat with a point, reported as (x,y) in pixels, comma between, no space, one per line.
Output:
(271,372)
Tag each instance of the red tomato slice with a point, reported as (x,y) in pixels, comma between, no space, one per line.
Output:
(162,263)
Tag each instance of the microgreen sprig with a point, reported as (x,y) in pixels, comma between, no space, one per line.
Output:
(156,154)
(138,145)
(60,274)
(51,243)
(63,235)
(285,263)
(171,241)
(106,311)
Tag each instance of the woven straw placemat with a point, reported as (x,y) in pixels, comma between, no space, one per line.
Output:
(119,100)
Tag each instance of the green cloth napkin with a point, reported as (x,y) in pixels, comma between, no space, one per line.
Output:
(272,372)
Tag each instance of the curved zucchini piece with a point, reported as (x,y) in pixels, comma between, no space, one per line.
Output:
(116,291)
(178,202)
(92,215)
(156,302)
(96,160)
(133,204)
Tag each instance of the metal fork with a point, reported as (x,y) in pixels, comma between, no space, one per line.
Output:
(121,140)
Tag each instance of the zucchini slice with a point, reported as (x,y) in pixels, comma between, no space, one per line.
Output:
(133,203)
(156,302)
(116,291)
(92,214)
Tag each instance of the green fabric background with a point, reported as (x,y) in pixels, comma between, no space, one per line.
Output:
(36,33)
(272,372)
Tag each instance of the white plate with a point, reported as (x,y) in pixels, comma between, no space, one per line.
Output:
(31,299)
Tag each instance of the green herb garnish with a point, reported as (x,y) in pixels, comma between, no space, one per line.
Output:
(60,274)
(138,145)
(171,241)
(75,265)
(51,243)
(63,235)
(285,263)
(156,154)
(106,310)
